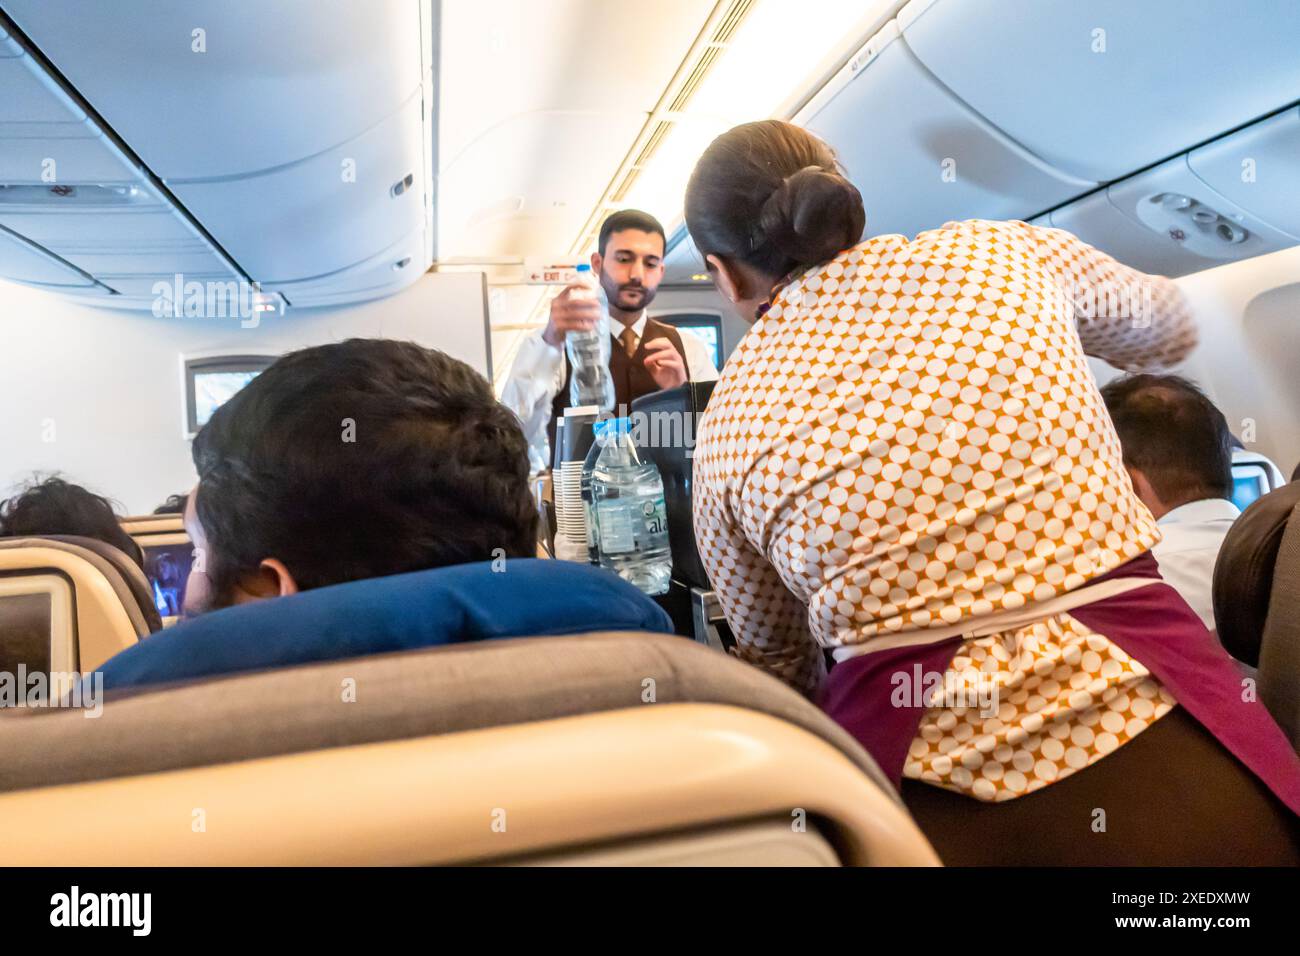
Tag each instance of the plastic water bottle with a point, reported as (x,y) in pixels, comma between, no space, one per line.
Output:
(629,522)
(590,382)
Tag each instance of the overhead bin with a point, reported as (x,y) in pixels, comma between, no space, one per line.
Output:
(920,156)
(1258,168)
(142,287)
(1167,221)
(295,134)
(388,272)
(135,232)
(1104,88)
(323,214)
(45,138)
(24,261)
(235,87)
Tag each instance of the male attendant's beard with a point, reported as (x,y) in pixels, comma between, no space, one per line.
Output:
(625,302)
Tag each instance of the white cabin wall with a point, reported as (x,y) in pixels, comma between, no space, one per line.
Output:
(1248,359)
(106,385)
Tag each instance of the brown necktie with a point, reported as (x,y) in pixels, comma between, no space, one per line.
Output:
(628,340)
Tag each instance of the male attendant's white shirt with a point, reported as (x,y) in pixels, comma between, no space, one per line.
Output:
(538,375)
(1191,536)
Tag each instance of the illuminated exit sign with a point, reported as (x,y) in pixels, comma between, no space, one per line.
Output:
(553,271)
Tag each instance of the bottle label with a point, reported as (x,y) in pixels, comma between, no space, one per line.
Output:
(614,525)
(591,525)
(656,517)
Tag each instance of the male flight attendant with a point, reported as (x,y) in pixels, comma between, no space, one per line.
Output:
(645,355)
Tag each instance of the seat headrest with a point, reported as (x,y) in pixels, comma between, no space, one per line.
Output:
(119,569)
(521,597)
(1243,573)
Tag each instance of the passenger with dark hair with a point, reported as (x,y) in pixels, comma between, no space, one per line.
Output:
(354,460)
(645,355)
(907,462)
(174,505)
(1178,451)
(58,507)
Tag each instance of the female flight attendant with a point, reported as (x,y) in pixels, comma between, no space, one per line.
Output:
(907,463)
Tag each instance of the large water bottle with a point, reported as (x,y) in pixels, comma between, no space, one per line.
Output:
(630,530)
(590,382)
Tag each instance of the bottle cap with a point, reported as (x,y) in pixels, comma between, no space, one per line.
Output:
(616,426)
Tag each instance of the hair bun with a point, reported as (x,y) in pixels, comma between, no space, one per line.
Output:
(813,216)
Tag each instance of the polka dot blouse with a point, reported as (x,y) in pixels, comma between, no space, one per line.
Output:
(910,438)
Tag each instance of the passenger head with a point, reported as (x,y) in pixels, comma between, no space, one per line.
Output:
(55,506)
(630,261)
(354,460)
(174,505)
(767,199)
(1176,443)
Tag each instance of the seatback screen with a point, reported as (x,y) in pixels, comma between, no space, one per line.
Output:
(1246,490)
(25,622)
(167,567)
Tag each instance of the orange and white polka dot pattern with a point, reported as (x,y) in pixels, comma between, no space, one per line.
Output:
(1059,698)
(910,437)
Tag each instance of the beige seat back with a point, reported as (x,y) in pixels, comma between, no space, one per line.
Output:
(592,748)
(140,527)
(99,598)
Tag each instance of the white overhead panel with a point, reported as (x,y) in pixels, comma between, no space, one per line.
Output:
(386,273)
(1258,168)
(45,138)
(73,207)
(1103,88)
(1098,222)
(1171,199)
(323,214)
(23,261)
(223,89)
(920,156)
(296,133)
(124,230)
(1169,222)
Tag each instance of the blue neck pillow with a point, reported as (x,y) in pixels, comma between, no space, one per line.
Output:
(467,602)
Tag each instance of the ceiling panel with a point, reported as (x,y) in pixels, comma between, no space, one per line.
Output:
(1103,88)
(919,156)
(1258,168)
(219,89)
(531,132)
(311,218)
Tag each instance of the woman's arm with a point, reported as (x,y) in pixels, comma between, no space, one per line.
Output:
(1132,320)
(770,624)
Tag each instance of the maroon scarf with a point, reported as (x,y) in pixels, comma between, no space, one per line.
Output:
(1151,624)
